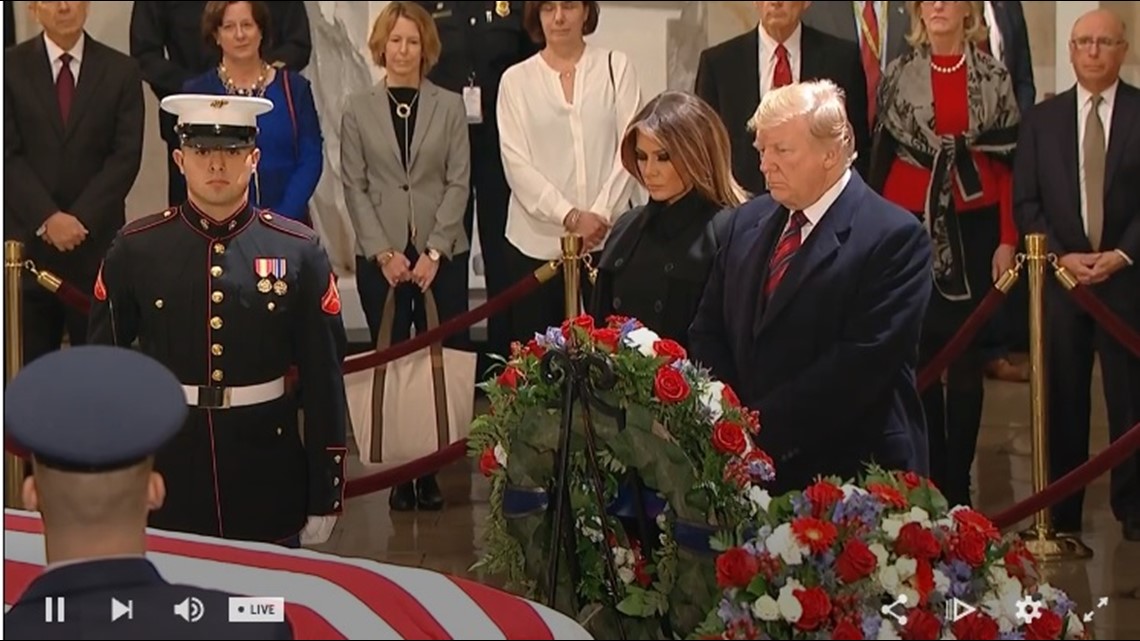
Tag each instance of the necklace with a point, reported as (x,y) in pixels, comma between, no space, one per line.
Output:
(258,88)
(956,66)
(403,109)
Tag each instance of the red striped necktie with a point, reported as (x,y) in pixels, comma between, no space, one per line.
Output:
(785,249)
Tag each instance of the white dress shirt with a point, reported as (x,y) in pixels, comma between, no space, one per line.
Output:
(1084,109)
(996,43)
(559,156)
(815,211)
(54,51)
(768,57)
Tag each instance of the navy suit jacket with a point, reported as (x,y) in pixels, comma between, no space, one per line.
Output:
(830,360)
(84,591)
(1016,56)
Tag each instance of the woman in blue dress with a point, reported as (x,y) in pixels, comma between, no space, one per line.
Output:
(289,136)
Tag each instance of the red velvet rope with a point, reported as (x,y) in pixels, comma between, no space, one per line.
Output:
(948,354)
(71,296)
(1112,323)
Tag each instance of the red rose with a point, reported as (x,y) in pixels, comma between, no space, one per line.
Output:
(921,625)
(971,520)
(888,495)
(816,607)
(1046,626)
(753,418)
(823,495)
(585,321)
(1018,560)
(910,479)
(923,580)
(534,349)
(509,378)
(487,461)
(917,542)
(855,562)
(976,625)
(816,534)
(736,473)
(846,629)
(728,397)
(617,320)
(736,568)
(670,386)
(607,337)
(670,349)
(970,546)
(729,438)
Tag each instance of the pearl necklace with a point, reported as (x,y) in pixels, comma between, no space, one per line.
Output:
(258,88)
(951,69)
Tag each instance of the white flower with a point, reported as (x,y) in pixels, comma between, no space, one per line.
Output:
(1048,593)
(622,556)
(941,582)
(891,527)
(790,607)
(889,579)
(850,490)
(760,498)
(881,554)
(766,609)
(626,575)
(1001,604)
(711,399)
(642,339)
(917,515)
(909,593)
(500,455)
(949,636)
(661,521)
(887,631)
(1075,627)
(783,544)
(906,567)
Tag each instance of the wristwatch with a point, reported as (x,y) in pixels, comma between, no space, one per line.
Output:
(433,254)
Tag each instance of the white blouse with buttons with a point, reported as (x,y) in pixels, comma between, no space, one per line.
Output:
(559,155)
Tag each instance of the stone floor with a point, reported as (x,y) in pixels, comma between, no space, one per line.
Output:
(447,541)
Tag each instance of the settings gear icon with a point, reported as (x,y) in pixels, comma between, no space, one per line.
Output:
(1029,609)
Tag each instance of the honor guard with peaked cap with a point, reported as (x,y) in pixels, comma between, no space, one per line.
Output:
(234,300)
(216,122)
(93,408)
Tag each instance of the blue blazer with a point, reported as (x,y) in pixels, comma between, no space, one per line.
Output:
(830,361)
(291,163)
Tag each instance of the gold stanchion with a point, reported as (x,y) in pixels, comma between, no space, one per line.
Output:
(1042,541)
(13,355)
(571,272)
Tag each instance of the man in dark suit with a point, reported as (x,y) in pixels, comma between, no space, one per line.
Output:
(734,75)
(878,28)
(73,137)
(813,307)
(92,418)
(167,41)
(1078,161)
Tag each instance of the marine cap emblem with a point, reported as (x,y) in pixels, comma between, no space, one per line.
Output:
(218,104)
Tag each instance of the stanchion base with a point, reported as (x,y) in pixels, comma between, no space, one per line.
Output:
(1051,546)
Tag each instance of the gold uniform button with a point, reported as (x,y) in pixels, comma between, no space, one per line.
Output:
(279,431)
(217,375)
(219,248)
(216,322)
(336,504)
(216,349)
(271,305)
(267,216)
(336,481)
(336,458)
(216,271)
(217,297)
(158,303)
(168,213)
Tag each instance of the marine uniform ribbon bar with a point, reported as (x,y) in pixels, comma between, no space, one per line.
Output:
(265,267)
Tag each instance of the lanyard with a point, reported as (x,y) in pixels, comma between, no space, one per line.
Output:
(876,44)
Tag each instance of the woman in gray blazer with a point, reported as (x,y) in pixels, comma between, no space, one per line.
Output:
(405,164)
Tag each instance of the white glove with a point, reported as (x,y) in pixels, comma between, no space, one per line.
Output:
(318,529)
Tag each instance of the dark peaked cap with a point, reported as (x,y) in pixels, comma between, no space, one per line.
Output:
(93,408)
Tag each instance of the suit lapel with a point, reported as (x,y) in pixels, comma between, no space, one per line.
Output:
(43,83)
(1001,17)
(1070,154)
(760,243)
(1123,119)
(91,71)
(428,103)
(387,126)
(819,247)
(898,23)
(749,62)
(814,63)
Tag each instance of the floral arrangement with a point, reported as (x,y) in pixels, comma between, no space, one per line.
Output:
(679,436)
(835,560)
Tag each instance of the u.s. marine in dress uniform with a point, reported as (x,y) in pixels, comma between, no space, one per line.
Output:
(230,297)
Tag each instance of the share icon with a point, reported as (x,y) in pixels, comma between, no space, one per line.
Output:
(889,609)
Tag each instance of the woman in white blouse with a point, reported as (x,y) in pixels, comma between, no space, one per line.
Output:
(561,114)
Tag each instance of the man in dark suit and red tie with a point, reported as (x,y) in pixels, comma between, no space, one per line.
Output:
(73,137)
(734,75)
(813,308)
(1075,174)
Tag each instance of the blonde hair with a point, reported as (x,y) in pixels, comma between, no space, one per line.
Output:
(975,24)
(822,102)
(696,140)
(430,46)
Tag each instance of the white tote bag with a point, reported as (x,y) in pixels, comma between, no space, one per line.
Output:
(415,405)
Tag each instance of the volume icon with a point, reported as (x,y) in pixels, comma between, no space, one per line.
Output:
(191,609)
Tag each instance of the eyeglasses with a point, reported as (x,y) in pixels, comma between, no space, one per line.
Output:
(1086,42)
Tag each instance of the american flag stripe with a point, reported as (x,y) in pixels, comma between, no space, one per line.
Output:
(358,598)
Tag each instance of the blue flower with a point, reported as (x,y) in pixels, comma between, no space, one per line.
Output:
(553,339)
(731,613)
(761,470)
(1063,605)
(628,326)
(863,508)
(871,625)
(801,505)
(1012,636)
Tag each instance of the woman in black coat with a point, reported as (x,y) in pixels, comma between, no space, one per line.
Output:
(656,261)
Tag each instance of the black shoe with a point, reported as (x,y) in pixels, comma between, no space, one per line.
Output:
(403,498)
(428,495)
(1131,529)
